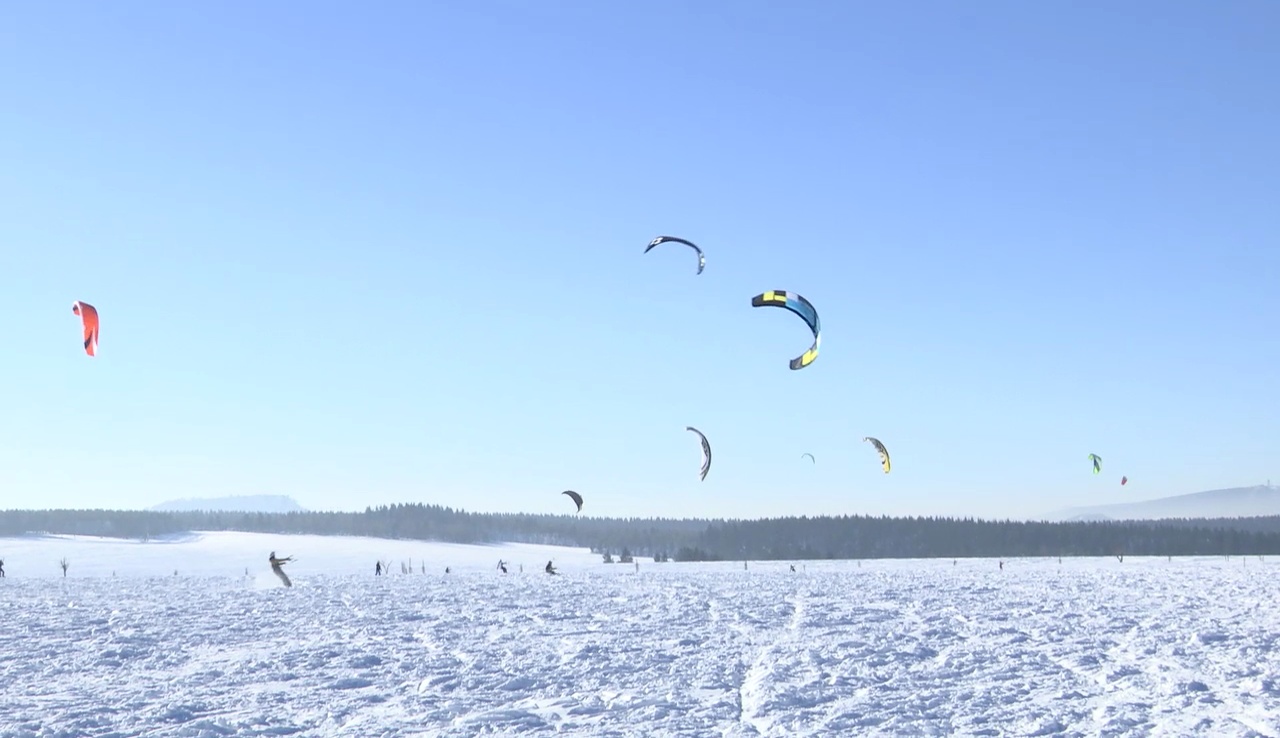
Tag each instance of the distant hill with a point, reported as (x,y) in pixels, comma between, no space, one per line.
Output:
(1236,502)
(246,503)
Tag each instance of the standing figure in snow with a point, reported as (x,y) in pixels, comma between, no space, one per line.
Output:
(277,567)
(502,565)
(377,569)
(1,567)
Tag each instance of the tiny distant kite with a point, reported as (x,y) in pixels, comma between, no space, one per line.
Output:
(706,453)
(810,457)
(89,320)
(702,260)
(801,307)
(1097,462)
(577,498)
(880,449)
(1124,481)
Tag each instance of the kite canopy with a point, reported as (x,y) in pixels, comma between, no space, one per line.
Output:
(577,498)
(810,457)
(702,260)
(800,306)
(880,449)
(706,453)
(89,321)
(1097,462)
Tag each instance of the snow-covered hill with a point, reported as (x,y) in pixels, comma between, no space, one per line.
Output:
(243,503)
(1236,502)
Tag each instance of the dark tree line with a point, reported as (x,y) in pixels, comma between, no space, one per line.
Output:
(831,537)
(404,521)
(858,537)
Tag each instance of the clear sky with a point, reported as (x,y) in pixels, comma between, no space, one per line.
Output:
(367,253)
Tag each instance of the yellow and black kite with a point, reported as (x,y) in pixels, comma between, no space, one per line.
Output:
(800,306)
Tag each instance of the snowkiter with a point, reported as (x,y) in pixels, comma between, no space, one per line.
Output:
(277,568)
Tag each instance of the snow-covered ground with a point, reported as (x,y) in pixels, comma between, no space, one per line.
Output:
(232,554)
(1089,647)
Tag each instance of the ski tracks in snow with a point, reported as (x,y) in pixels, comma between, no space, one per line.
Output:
(772,666)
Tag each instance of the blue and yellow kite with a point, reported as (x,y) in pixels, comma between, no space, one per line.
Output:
(800,306)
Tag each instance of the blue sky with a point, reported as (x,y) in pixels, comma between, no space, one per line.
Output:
(365,254)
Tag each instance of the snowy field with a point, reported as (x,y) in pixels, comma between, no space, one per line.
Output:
(1089,647)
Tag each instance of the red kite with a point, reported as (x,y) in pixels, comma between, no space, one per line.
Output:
(89,318)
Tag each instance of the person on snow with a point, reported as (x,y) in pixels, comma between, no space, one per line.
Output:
(551,569)
(277,567)
(377,569)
